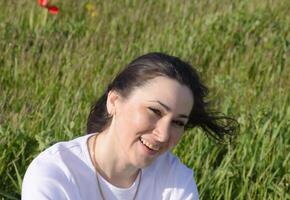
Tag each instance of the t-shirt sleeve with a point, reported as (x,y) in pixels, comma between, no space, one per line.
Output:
(44,180)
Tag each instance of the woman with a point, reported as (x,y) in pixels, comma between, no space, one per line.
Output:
(131,129)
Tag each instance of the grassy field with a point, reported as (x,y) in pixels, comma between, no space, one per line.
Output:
(52,68)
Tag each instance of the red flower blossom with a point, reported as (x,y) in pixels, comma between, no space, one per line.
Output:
(43,3)
(51,9)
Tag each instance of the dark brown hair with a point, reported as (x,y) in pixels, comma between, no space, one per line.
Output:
(149,66)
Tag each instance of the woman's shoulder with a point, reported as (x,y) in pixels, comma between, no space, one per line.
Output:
(53,168)
(61,154)
(76,146)
(169,163)
(168,167)
(172,177)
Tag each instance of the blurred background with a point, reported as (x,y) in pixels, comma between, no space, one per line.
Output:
(53,68)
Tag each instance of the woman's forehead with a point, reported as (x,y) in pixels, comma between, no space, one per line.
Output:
(167,91)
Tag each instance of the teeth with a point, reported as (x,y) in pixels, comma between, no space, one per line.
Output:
(149,145)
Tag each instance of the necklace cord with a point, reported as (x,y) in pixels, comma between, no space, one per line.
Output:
(98,181)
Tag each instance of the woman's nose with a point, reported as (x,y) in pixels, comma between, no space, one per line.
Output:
(162,130)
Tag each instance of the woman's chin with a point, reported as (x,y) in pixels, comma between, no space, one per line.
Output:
(145,156)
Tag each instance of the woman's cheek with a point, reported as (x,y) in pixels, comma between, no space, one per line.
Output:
(140,120)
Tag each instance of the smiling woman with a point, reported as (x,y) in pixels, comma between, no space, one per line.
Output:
(131,130)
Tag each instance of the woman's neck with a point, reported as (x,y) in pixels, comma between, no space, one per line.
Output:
(110,163)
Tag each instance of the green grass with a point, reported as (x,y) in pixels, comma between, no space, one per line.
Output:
(52,68)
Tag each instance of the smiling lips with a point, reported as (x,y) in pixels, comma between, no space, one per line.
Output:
(149,145)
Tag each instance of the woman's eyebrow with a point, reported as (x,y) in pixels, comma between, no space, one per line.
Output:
(167,108)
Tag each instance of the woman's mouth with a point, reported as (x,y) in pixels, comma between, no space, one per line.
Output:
(150,146)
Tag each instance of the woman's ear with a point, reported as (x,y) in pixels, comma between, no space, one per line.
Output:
(112,98)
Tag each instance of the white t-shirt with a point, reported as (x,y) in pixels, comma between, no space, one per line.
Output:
(65,171)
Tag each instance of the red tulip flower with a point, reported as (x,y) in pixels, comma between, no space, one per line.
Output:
(51,9)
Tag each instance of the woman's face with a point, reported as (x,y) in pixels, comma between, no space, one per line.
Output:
(150,120)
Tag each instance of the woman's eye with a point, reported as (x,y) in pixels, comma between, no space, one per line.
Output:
(155,111)
(179,123)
